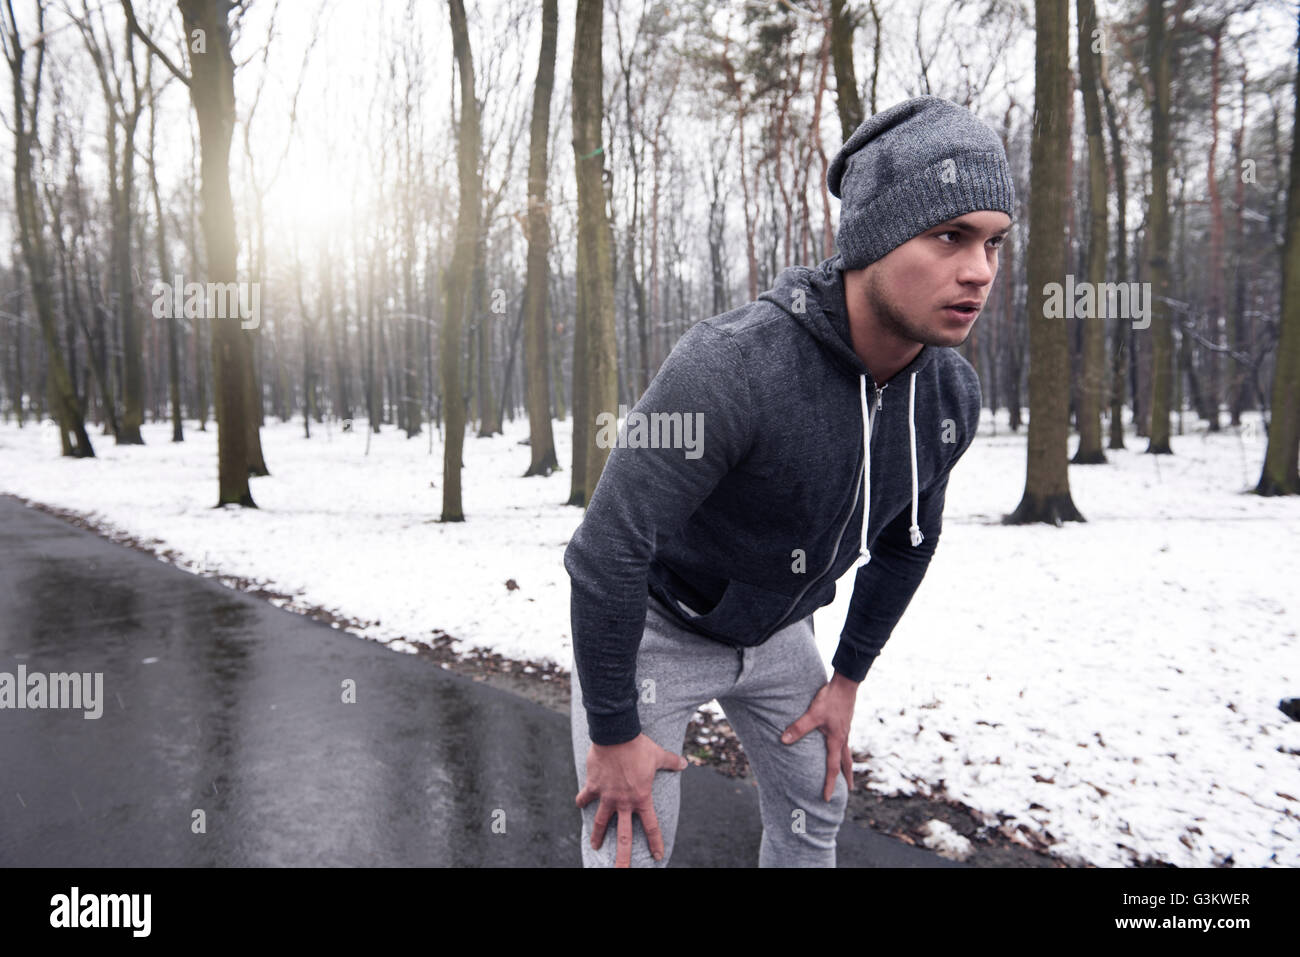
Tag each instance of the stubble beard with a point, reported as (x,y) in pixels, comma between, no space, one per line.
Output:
(896,322)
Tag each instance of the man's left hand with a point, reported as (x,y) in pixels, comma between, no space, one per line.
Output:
(831,712)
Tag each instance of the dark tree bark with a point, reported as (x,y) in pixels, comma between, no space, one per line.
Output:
(467,227)
(1092,380)
(1238,380)
(164,266)
(1122,332)
(1047,480)
(121,191)
(541,438)
(595,364)
(72,427)
(212,92)
(1215,299)
(1279,476)
(1162,333)
(847,100)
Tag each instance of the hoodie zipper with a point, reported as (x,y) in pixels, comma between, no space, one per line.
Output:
(857,491)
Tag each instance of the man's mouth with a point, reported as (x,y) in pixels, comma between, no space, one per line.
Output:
(963,310)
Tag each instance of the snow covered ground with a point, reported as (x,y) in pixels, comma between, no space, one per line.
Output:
(1112,685)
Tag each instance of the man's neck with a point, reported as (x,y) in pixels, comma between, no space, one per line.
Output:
(882,352)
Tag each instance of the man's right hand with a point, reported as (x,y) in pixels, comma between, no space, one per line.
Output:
(622,776)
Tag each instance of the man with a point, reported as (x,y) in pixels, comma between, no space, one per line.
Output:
(695,576)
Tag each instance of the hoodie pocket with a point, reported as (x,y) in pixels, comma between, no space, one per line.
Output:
(744,614)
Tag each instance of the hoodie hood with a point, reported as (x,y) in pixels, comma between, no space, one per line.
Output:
(814,298)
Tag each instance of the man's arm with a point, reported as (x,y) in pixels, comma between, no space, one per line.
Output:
(881,593)
(883,588)
(645,495)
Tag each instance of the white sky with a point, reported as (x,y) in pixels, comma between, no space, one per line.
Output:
(327,188)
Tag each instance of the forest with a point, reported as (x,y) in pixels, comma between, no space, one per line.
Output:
(429,242)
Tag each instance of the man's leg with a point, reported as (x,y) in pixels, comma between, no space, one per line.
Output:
(778,681)
(676,672)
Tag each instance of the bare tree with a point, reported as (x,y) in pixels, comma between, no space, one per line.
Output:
(1092,383)
(595,363)
(1162,333)
(847,101)
(212,92)
(467,226)
(1122,331)
(164,262)
(72,427)
(1279,475)
(122,119)
(1047,481)
(541,441)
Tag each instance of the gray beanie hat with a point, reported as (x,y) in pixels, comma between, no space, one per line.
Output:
(912,167)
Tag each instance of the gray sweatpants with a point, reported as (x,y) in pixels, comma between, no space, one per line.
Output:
(762,690)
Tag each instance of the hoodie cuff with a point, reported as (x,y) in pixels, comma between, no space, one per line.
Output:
(851,662)
(618,728)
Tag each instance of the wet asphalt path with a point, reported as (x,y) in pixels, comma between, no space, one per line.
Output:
(224,739)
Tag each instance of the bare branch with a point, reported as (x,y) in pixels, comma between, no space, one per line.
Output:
(153,47)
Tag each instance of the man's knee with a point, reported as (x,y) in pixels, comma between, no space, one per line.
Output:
(809,808)
(803,788)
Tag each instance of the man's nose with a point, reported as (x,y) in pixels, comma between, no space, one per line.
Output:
(976,269)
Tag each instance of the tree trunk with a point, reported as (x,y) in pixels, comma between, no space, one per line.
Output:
(1122,332)
(596,308)
(123,207)
(1215,302)
(1009,312)
(467,228)
(485,324)
(17,392)
(308,379)
(374,398)
(338,333)
(250,341)
(213,95)
(541,438)
(1092,381)
(875,51)
(164,271)
(847,100)
(1279,476)
(1162,334)
(72,427)
(1047,481)
(408,373)
(1238,379)
(197,337)
(828,234)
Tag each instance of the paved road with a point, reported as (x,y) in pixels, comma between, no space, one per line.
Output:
(221,710)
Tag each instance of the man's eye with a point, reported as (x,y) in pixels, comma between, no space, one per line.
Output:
(950,232)
(998,241)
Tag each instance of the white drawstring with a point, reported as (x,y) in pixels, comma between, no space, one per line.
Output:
(915,530)
(864,556)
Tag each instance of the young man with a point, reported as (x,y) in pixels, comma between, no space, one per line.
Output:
(695,572)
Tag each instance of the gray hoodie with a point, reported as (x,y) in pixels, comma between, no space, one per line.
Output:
(748,531)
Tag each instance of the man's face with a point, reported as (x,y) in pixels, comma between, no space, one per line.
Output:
(913,289)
